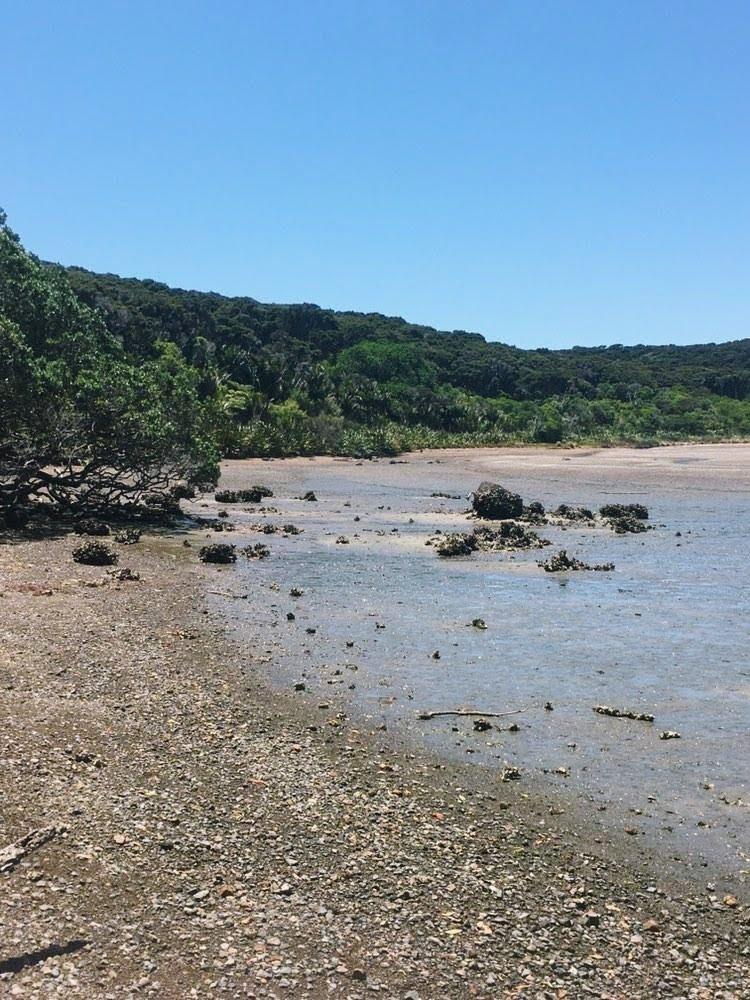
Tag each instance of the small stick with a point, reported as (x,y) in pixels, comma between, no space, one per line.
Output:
(466,711)
(11,855)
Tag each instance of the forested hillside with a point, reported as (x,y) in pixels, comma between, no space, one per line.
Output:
(300,379)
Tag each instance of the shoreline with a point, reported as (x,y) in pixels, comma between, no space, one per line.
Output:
(226,839)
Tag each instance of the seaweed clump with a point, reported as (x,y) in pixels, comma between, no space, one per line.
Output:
(95,554)
(219,552)
(561,562)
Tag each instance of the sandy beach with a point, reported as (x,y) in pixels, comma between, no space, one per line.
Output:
(206,833)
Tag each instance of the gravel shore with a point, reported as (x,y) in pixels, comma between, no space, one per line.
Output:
(207,837)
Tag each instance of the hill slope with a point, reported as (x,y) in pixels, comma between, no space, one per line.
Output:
(298,378)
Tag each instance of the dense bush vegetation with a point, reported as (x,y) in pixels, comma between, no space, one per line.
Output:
(298,379)
(112,388)
(85,422)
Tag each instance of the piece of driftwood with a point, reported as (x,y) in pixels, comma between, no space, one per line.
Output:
(470,712)
(11,855)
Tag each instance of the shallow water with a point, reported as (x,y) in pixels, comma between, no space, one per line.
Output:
(664,633)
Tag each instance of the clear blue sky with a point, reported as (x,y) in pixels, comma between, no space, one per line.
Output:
(545,173)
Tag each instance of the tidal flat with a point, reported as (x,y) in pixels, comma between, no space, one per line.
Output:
(383,629)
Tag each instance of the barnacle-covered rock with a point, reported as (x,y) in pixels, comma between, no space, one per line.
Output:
(495,502)
(508,535)
(95,554)
(638,510)
(253,494)
(561,562)
(257,551)
(219,552)
(458,544)
(571,513)
(128,536)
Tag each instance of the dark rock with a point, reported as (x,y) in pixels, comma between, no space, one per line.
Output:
(459,544)
(95,554)
(91,526)
(183,491)
(495,503)
(252,495)
(161,503)
(220,552)
(626,524)
(309,496)
(618,510)
(124,574)
(257,551)
(570,513)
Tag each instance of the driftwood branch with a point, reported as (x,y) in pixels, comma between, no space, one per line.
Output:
(466,711)
(11,855)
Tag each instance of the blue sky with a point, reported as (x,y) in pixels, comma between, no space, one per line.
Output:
(545,173)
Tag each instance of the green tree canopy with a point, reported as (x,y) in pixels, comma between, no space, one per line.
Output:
(83,423)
